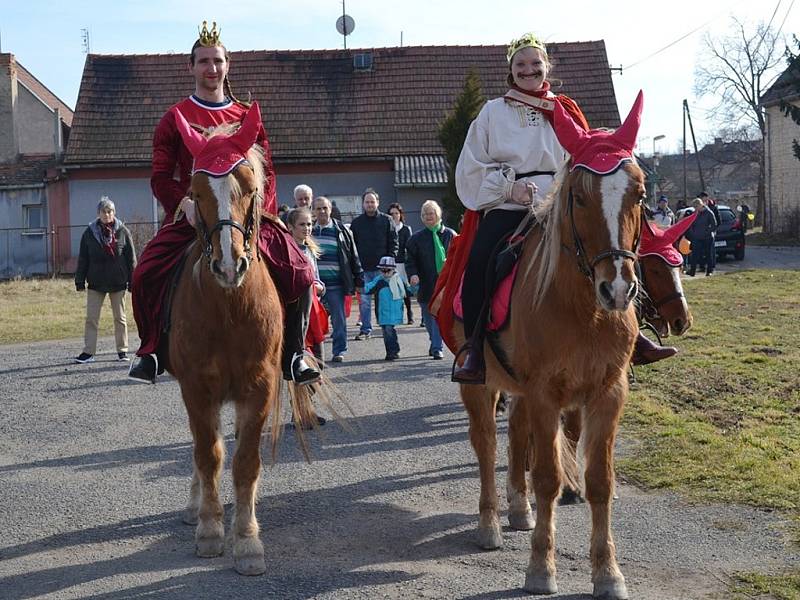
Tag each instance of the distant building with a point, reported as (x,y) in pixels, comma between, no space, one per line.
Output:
(34,128)
(783,168)
(338,120)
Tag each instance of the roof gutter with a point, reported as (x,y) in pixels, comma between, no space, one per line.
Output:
(112,165)
(24,186)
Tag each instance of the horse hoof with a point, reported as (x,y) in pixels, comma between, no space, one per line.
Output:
(248,556)
(490,538)
(209,547)
(611,589)
(521,521)
(190,517)
(250,565)
(540,584)
(570,496)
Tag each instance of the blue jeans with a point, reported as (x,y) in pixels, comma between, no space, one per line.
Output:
(334,303)
(433,328)
(365,304)
(390,339)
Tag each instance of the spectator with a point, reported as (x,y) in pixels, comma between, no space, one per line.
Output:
(282,210)
(389,291)
(426,252)
(663,216)
(302,196)
(403,234)
(106,262)
(375,237)
(701,234)
(339,269)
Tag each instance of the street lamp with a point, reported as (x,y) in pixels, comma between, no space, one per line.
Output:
(655,165)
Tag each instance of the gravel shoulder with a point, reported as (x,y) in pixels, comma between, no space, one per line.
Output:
(94,474)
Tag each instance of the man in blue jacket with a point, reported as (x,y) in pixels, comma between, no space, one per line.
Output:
(375,237)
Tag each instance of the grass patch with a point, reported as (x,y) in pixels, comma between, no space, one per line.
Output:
(756,237)
(786,587)
(33,310)
(721,421)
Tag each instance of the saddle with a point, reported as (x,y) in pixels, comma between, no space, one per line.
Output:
(501,274)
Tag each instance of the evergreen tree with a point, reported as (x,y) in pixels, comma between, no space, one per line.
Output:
(452,133)
(791,111)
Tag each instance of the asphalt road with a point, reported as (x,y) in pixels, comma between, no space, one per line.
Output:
(94,474)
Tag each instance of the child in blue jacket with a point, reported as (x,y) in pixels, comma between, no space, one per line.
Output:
(389,292)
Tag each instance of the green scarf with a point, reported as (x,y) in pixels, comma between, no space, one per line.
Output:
(438,250)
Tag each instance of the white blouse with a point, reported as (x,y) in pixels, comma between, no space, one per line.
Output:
(506,138)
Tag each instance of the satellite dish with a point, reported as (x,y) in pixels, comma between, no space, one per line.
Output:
(345,24)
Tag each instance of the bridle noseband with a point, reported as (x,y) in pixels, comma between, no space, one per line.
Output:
(649,305)
(246,230)
(585,265)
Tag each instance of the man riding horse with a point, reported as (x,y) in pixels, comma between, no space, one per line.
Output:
(211,105)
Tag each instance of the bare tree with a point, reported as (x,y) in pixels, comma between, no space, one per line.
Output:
(736,69)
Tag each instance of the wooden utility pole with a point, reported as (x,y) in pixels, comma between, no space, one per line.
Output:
(688,116)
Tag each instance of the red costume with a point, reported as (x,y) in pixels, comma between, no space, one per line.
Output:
(172,159)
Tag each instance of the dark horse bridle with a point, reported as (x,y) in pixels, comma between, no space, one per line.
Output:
(246,230)
(649,305)
(585,265)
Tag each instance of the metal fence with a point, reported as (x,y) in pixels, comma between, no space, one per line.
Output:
(26,252)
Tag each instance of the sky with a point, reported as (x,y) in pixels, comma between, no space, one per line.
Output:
(648,39)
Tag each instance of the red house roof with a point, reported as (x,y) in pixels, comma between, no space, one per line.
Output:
(315,104)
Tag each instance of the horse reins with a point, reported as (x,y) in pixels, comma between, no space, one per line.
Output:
(585,265)
(246,229)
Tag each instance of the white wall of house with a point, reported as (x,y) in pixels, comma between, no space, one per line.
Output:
(35,124)
(783,173)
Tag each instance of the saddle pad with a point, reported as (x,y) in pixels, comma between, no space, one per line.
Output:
(501,301)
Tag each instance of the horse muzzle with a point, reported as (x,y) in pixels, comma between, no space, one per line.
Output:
(617,294)
(229,275)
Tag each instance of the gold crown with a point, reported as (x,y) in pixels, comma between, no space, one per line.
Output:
(209,39)
(529,40)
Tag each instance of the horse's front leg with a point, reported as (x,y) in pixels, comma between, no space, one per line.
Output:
(572,420)
(479,402)
(600,431)
(251,414)
(520,516)
(544,417)
(208,458)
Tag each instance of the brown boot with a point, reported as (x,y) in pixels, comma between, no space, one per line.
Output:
(646,352)
(473,369)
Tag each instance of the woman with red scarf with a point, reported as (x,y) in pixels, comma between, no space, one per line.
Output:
(507,164)
(106,262)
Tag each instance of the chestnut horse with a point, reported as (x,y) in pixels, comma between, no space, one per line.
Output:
(225,341)
(570,339)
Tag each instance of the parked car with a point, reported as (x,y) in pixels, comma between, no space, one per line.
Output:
(730,233)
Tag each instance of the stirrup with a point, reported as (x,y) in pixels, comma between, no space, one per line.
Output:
(314,374)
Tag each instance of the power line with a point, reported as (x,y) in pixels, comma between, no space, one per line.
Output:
(680,39)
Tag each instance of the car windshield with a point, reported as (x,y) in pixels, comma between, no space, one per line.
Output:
(726,216)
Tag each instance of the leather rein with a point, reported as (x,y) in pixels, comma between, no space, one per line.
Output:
(246,230)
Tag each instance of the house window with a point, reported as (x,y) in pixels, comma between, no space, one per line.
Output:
(349,206)
(362,61)
(32,217)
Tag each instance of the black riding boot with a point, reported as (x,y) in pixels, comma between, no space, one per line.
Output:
(293,363)
(473,369)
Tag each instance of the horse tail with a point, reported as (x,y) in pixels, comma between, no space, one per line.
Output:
(570,468)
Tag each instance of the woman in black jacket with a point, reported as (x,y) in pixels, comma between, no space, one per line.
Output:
(106,262)
(403,235)
(425,255)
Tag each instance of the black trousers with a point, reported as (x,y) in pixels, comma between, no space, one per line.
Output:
(294,330)
(478,277)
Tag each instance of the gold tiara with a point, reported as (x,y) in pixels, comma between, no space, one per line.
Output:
(529,40)
(209,39)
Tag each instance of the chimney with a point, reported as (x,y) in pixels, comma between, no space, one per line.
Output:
(9,140)
(58,140)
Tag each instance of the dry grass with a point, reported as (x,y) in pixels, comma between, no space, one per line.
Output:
(33,310)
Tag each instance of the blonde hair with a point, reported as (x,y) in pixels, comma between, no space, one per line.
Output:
(291,220)
(431,204)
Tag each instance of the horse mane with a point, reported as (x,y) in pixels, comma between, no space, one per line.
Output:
(549,215)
